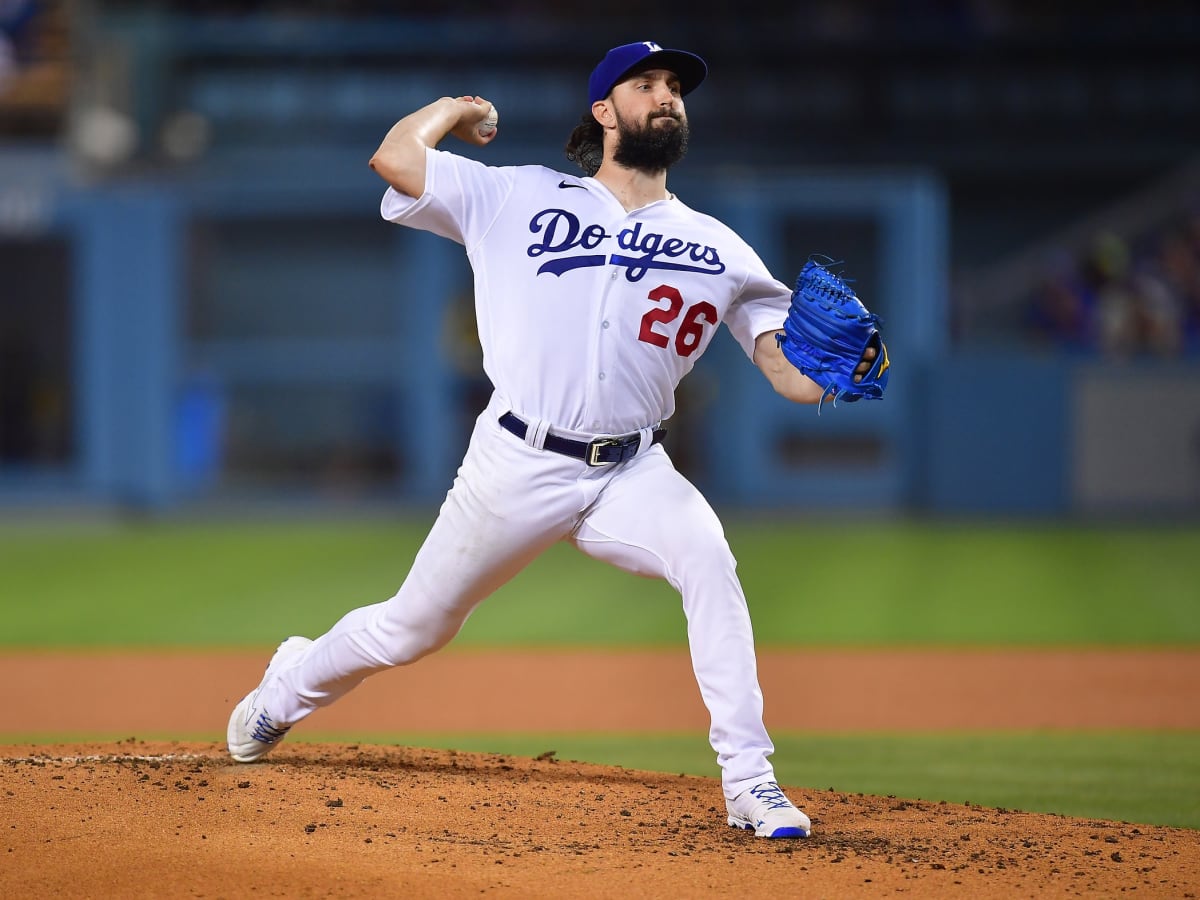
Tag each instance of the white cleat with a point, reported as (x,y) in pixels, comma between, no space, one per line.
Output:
(766,810)
(252,732)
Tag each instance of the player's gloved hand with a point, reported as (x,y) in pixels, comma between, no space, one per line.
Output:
(832,338)
(868,361)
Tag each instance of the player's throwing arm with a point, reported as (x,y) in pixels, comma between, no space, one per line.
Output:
(400,159)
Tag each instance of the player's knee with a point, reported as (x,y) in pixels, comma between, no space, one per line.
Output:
(709,560)
(405,637)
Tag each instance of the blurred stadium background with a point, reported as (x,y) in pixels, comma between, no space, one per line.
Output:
(200,307)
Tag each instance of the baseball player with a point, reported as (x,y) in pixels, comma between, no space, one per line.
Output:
(594,296)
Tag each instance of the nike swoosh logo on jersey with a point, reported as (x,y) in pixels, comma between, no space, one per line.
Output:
(567,184)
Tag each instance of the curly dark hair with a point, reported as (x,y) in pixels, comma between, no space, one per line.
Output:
(585,146)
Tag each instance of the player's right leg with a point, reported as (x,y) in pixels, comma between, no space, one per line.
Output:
(508,504)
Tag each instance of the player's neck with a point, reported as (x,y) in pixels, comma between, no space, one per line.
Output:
(633,188)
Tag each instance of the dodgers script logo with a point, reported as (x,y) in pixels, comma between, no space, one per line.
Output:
(561,231)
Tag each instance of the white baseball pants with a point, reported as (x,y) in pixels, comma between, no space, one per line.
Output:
(509,503)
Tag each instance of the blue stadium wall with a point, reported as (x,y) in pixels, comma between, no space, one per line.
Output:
(254,309)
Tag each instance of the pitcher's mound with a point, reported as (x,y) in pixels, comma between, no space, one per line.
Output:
(138,819)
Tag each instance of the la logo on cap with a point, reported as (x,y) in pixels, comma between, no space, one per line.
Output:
(619,62)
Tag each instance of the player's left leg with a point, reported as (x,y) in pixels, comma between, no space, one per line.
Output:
(652,521)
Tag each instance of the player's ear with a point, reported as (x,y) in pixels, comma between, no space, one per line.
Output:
(602,112)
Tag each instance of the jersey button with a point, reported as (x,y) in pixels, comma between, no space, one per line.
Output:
(604,324)
(601,376)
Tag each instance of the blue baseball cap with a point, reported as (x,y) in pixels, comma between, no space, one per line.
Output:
(621,61)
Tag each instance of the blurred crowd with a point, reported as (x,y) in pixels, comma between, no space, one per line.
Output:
(34,67)
(15,19)
(1125,297)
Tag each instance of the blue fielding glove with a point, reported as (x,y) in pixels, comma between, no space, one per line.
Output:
(826,333)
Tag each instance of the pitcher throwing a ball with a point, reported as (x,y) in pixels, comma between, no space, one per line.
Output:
(594,296)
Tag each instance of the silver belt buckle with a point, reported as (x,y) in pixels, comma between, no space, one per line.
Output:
(594,448)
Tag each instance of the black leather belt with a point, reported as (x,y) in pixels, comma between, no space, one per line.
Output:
(601,451)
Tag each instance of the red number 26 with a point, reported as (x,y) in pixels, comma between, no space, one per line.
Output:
(691,329)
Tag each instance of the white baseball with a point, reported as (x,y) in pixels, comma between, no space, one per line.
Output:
(488,125)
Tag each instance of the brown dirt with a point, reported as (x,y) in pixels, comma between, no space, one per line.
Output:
(138,819)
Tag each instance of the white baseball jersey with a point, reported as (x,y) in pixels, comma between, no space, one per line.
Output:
(589,315)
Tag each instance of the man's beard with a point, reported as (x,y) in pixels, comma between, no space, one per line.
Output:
(648,147)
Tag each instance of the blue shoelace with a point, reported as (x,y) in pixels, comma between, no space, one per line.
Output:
(770,793)
(265,731)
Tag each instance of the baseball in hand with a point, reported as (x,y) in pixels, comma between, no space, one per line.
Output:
(488,125)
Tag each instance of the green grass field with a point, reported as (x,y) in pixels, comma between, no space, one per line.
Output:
(245,584)
(228,584)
